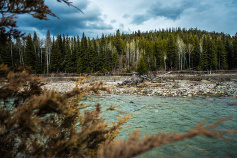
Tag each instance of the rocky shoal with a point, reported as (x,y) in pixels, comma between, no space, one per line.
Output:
(166,89)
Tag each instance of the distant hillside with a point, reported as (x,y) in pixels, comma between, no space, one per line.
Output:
(166,49)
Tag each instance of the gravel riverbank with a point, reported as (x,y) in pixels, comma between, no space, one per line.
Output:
(168,88)
(184,88)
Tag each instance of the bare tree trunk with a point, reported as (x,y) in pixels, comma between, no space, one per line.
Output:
(189,60)
(41,59)
(11,54)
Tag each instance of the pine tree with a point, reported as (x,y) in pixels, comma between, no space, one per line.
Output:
(15,57)
(101,62)
(29,54)
(5,54)
(229,50)
(118,43)
(204,61)
(93,55)
(75,53)
(150,55)
(43,60)
(142,67)
(37,52)
(68,58)
(82,61)
(221,55)
(212,55)
(56,56)
(36,43)
(235,51)
(90,57)
(159,54)
(172,59)
(208,57)
(195,55)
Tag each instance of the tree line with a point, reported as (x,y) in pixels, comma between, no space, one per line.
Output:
(164,49)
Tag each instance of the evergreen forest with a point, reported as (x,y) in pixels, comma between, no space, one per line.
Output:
(164,49)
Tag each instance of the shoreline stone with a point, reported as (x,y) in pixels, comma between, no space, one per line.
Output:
(178,88)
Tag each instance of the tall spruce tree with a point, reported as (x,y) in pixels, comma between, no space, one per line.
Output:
(159,54)
(221,55)
(29,54)
(204,61)
(229,50)
(118,43)
(235,51)
(208,57)
(38,56)
(142,67)
(15,56)
(172,59)
(82,61)
(56,56)
(68,57)
(5,53)
(195,55)
(101,57)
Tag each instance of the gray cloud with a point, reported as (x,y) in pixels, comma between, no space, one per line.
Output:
(169,12)
(125,16)
(61,8)
(140,19)
(113,21)
(71,22)
(172,11)
(210,15)
(121,25)
(234,2)
(99,26)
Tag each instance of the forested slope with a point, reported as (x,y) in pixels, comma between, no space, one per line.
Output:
(166,49)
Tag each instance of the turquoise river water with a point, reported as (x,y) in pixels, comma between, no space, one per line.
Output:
(155,114)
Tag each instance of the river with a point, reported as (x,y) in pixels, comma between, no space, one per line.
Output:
(154,114)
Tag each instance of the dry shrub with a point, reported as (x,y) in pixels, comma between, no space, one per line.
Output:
(42,123)
(37,123)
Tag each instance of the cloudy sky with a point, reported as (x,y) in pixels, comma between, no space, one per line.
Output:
(106,16)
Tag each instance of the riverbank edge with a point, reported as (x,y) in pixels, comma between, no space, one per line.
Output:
(165,88)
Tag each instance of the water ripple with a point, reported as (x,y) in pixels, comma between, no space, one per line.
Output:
(157,114)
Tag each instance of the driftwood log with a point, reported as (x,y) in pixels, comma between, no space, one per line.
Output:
(135,80)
